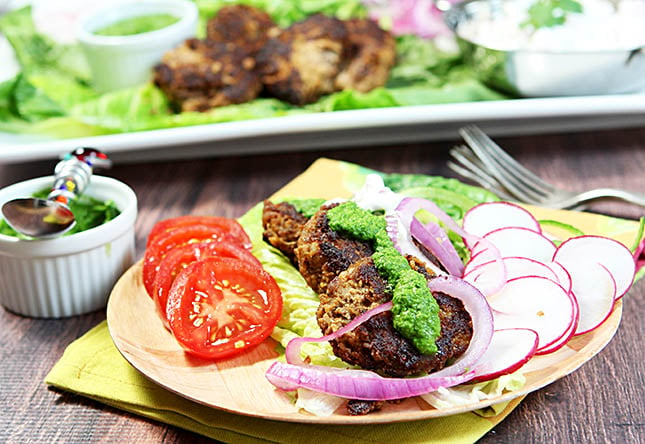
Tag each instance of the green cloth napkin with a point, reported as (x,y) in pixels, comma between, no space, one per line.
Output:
(93,367)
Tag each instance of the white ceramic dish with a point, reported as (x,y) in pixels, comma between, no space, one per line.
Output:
(507,57)
(118,62)
(345,129)
(69,275)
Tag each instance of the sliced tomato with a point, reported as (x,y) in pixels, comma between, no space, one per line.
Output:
(226,224)
(170,240)
(179,258)
(219,307)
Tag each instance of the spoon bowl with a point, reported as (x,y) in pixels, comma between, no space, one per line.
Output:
(39,218)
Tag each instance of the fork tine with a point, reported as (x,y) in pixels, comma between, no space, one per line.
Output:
(467,159)
(471,167)
(521,182)
(521,172)
(486,183)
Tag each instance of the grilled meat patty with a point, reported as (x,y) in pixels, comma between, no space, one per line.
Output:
(244,26)
(282,227)
(300,64)
(322,254)
(370,54)
(202,74)
(376,344)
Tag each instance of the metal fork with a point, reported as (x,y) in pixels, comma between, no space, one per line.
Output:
(484,162)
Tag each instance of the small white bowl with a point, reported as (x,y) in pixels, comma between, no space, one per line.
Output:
(69,275)
(118,62)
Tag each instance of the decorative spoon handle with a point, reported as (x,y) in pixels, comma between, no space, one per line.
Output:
(72,174)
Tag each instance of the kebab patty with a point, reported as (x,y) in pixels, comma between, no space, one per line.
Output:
(300,63)
(202,74)
(370,55)
(242,25)
(342,272)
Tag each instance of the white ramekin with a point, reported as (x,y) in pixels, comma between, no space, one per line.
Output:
(73,274)
(118,62)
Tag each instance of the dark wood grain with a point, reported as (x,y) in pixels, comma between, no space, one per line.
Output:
(599,403)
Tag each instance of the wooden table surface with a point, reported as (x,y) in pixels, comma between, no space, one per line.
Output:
(602,402)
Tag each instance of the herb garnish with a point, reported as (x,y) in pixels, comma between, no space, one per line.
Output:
(549,13)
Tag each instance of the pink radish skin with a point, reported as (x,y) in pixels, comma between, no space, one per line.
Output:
(595,290)
(536,303)
(509,350)
(486,217)
(611,254)
(513,242)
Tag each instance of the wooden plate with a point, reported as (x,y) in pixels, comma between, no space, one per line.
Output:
(238,385)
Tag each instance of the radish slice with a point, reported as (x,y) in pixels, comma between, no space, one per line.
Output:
(557,345)
(536,303)
(595,290)
(482,276)
(563,276)
(513,242)
(588,250)
(515,267)
(509,350)
(479,257)
(484,218)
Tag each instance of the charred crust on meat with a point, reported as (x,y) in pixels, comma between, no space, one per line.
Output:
(300,64)
(314,57)
(322,253)
(244,26)
(356,407)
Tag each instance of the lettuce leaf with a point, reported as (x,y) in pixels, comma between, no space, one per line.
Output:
(300,302)
(471,393)
(36,51)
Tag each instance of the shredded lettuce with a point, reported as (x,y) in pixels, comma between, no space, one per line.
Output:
(317,403)
(465,394)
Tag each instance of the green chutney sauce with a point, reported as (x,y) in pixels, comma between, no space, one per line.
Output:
(137,25)
(415,312)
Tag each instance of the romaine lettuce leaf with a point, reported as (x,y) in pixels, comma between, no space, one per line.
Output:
(299,300)
(471,393)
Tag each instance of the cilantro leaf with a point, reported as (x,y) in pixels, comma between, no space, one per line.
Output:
(549,13)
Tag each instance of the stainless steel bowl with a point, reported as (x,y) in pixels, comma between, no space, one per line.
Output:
(533,73)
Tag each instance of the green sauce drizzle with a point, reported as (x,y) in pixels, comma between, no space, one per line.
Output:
(307,207)
(137,25)
(415,312)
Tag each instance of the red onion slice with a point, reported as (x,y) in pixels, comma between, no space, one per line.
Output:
(356,384)
(436,241)
(480,313)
